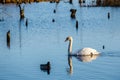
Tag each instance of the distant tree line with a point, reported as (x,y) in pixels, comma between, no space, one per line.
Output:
(21,1)
(98,2)
(108,2)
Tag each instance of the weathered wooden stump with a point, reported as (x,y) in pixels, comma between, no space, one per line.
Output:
(73,13)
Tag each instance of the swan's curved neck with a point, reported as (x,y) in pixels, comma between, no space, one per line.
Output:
(70,47)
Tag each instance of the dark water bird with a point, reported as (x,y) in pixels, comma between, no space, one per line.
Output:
(46,67)
(73,13)
(8,39)
(82,52)
(108,15)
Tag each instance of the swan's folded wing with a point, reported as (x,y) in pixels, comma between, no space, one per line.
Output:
(87,51)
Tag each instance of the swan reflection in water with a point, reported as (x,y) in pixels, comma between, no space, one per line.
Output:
(86,58)
(84,55)
(70,70)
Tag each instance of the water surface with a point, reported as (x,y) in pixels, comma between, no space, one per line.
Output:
(43,40)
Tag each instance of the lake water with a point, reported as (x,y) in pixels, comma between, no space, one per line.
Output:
(43,41)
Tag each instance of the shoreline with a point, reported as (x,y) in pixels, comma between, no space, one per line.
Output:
(99,3)
(108,3)
(25,1)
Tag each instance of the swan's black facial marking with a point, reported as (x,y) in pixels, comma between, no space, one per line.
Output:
(67,39)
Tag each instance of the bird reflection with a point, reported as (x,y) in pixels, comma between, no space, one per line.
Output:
(87,58)
(80,58)
(70,71)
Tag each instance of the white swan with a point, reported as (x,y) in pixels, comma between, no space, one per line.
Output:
(82,52)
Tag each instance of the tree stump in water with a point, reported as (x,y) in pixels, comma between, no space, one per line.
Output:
(73,13)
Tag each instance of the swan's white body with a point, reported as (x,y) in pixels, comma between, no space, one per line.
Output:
(87,51)
(84,51)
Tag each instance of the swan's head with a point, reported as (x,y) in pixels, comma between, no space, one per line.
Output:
(69,38)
